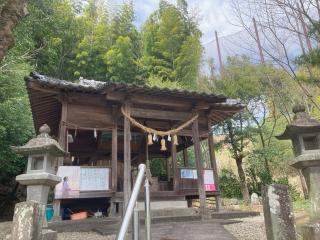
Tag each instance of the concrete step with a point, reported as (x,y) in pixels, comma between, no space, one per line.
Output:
(159,205)
(171,212)
(233,214)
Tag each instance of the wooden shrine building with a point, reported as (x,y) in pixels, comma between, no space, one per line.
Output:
(116,126)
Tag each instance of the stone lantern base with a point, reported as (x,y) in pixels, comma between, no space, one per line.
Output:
(312,177)
(38,185)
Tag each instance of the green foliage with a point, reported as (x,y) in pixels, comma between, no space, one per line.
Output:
(158,167)
(171,45)
(301,205)
(15,118)
(155,81)
(295,195)
(92,43)
(250,134)
(121,64)
(229,184)
(312,58)
(52,28)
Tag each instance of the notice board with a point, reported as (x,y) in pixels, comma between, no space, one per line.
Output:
(94,179)
(76,179)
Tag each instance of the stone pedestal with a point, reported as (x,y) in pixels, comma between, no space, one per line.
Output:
(38,185)
(27,221)
(48,234)
(312,176)
(311,231)
(278,214)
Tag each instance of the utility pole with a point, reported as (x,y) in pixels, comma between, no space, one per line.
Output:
(258,41)
(219,52)
(304,28)
(299,36)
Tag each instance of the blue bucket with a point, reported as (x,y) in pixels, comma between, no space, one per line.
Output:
(49,213)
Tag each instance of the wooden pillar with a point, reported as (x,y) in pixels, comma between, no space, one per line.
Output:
(199,165)
(174,167)
(63,143)
(114,150)
(213,161)
(63,128)
(114,159)
(168,169)
(127,159)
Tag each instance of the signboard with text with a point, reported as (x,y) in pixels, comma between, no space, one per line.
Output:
(76,179)
(208,177)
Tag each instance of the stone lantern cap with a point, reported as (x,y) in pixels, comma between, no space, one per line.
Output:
(42,144)
(302,123)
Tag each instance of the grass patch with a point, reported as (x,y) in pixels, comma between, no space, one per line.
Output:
(301,205)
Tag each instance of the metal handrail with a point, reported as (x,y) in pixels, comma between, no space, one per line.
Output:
(132,205)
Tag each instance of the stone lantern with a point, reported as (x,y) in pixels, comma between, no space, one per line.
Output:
(304,133)
(42,153)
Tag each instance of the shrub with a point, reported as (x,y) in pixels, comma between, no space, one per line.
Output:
(229,184)
(295,195)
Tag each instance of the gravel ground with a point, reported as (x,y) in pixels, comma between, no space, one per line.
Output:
(5,228)
(251,228)
(83,236)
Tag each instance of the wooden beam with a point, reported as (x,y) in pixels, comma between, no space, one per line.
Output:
(116,96)
(38,87)
(199,165)
(159,114)
(213,161)
(161,101)
(127,159)
(174,167)
(150,100)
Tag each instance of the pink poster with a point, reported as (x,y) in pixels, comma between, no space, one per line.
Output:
(209,181)
(69,187)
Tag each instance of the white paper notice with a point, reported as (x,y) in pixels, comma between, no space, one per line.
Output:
(94,179)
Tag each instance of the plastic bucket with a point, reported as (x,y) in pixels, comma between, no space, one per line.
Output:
(49,213)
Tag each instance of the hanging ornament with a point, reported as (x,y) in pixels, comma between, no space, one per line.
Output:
(150,142)
(75,133)
(163,145)
(175,140)
(169,138)
(154,137)
(95,134)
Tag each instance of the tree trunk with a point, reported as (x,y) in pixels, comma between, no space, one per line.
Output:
(10,15)
(243,182)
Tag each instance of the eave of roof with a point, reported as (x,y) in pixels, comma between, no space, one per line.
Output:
(102,87)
